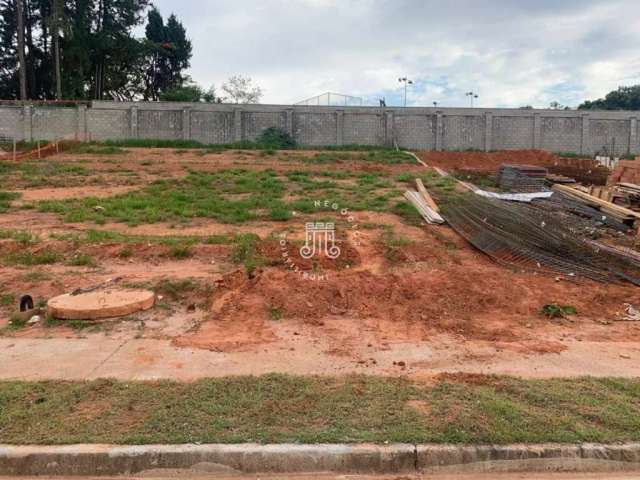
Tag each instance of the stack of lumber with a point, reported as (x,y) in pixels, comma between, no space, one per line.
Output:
(632,192)
(610,209)
(521,178)
(423,202)
(556,178)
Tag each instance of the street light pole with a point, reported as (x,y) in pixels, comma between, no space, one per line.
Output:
(471,96)
(406,82)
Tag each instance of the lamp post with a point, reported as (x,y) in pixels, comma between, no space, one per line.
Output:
(406,82)
(471,96)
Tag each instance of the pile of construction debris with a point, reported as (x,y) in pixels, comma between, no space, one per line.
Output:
(521,178)
(539,228)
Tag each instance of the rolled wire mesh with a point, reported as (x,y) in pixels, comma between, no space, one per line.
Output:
(529,238)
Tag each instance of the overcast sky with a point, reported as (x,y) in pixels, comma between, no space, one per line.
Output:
(511,52)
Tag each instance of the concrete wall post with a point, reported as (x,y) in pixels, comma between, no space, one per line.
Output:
(237,125)
(439,130)
(633,135)
(81,123)
(27,127)
(340,127)
(488,131)
(585,143)
(388,128)
(186,124)
(133,122)
(536,135)
(289,121)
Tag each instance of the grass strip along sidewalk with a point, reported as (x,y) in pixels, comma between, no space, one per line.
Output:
(279,408)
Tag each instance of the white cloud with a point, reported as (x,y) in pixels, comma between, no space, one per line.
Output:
(512,52)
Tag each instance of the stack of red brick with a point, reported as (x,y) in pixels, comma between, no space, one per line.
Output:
(626,171)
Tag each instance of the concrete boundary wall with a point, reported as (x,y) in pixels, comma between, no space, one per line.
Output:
(576,131)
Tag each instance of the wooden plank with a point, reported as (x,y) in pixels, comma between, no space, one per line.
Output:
(594,201)
(426,196)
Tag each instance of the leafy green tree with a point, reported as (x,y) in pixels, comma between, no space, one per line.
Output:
(189,92)
(168,51)
(624,98)
(84,49)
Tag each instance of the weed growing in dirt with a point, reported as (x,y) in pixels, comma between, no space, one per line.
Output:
(274,313)
(558,311)
(35,276)
(180,251)
(7,299)
(5,200)
(392,245)
(16,323)
(81,260)
(245,252)
(175,289)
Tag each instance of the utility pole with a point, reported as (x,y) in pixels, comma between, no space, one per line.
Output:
(56,45)
(406,82)
(471,96)
(22,72)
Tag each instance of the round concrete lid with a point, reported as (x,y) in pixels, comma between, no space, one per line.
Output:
(100,304)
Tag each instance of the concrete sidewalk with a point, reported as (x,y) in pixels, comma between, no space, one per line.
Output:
(147,359)
(295,458)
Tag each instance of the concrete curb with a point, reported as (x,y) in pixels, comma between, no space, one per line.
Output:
(295,458)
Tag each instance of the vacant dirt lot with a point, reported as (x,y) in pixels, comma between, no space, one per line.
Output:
(211,232)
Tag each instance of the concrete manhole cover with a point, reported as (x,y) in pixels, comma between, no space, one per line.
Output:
(100,304)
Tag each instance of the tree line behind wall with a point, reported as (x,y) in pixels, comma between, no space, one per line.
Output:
(86,49)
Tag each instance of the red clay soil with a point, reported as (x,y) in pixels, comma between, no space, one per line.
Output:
(460,292)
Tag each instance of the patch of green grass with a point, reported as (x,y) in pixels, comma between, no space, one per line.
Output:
(7,299)
(35,276)
(407,213)
(153,143)
(16,323)
(209,195)
(5,200)
(23,236)
(243,145)
(27,258)
(280,408)
(386,157)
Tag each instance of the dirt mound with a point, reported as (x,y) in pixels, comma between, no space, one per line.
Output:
(584,170)
(478,301)
(487,161)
